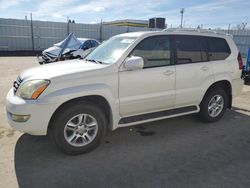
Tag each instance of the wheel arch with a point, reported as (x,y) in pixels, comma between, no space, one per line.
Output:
(226,85)
(98,100)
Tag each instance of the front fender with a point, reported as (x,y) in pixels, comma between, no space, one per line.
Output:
(62,95)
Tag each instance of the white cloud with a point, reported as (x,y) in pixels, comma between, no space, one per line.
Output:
(96,5)
(213,12)
(99,9)
(119,8)
(195,15)
(4,4)
(52,7)
(57,16)
(212,6)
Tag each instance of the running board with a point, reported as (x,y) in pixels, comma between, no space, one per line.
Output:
(154,115)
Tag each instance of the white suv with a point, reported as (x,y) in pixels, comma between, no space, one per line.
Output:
(132,78)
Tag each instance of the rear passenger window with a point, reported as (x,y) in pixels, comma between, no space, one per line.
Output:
(155,51)
(218,48)
(189,49)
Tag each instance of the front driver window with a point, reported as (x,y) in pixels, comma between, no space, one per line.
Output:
(155,51)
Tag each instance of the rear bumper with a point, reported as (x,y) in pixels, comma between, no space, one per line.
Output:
(237,85)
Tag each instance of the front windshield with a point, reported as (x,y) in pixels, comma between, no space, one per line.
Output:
(111,50)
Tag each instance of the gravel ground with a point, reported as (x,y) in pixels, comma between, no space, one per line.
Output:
(178,152)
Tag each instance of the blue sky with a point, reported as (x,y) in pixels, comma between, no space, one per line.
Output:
(214,13)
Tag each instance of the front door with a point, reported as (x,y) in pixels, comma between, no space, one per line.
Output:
(152,88)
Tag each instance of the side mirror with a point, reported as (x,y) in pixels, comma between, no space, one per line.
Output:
(133,63)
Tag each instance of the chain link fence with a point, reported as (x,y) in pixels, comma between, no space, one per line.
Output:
(27,35)
(38,35)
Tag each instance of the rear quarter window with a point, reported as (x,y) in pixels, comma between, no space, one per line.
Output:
(218,48)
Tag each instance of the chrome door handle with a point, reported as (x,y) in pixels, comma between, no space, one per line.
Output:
(168,72)
(204,68)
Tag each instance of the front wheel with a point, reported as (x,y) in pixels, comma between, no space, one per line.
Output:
(213,105)
(79,128)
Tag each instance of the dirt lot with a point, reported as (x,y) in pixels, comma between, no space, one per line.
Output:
(178,152)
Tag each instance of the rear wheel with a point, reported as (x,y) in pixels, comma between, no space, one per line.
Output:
(79,128)
(213,105)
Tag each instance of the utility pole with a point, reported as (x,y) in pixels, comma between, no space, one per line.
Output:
(228,28)
(32,32)
(100,31)
(182,12)
(67,25)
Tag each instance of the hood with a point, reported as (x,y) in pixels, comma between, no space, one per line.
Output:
(57,69)
(52,51)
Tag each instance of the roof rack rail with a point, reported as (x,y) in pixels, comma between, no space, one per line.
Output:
(195,30)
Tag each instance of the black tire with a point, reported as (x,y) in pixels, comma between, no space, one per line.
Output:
(204,112)
(65,114)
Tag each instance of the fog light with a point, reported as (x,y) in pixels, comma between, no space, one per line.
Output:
(19,118)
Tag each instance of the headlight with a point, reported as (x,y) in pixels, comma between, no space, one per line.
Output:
(32,89)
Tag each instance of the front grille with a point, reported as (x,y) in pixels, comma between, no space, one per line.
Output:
(17,83)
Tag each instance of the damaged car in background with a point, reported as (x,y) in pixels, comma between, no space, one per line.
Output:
(70,48)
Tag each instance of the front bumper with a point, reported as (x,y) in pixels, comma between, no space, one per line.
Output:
(40,114)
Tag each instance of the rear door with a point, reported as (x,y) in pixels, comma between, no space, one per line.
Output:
(193,71)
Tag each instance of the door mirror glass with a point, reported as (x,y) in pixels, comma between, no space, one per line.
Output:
(133,63)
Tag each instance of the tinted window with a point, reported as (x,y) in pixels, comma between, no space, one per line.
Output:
(189,49)
(218,48)
(94,43)
(155,51)
(86,45)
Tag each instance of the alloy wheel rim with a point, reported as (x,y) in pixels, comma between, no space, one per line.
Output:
(215,105)
(81,130)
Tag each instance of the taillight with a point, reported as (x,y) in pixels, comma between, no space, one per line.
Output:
(240,61)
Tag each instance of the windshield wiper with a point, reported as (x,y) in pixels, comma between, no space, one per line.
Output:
(95,61)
